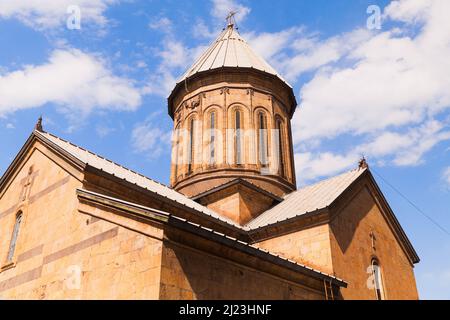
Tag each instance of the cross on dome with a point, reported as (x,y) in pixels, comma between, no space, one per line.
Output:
(231,20)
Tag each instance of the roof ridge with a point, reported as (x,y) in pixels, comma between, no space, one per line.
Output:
(229,49)
(104,158)
(308,199)
(330,178)
(171,194)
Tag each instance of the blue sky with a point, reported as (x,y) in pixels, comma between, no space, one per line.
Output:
(378,92)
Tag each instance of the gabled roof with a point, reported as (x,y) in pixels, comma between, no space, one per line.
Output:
(116,170)
(306,200)
(165,217)
(238,181)
(230,50)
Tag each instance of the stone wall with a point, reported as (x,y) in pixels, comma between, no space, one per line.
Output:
(62,253)
(309,246)
(224,99)
(191,274)
(352,251)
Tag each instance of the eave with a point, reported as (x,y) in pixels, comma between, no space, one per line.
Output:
(135,211)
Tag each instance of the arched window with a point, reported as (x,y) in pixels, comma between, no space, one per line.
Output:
(191,145)
(238,137)
(212,139)
(262,139)
(177,148)
(12,244)
(279,126)
(378,279)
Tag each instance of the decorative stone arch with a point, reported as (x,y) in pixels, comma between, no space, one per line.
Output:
(13,245)
(212,142)
(177,150)
(193,130)
(235,137)
(263,139)
(279,124)
(378,278)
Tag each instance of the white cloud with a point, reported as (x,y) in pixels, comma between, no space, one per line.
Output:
(374,93)
(221,9)
(401,149)
(383,91)
(104,130)
(269,45)
(201,30)
(175,59)
(148,138)
(396,80)
(46,14)
(294,51)
(163,24)
(71,79)
(446,177)
(175,56)
(311,166)
(407,148)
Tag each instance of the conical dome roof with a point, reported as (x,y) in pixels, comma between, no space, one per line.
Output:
(230,50)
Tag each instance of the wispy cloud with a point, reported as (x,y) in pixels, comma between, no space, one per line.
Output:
(149,139)
(221,8)
(174,58)
(386,90)
(446,178)
(49,14)
(71,79)
(162,24)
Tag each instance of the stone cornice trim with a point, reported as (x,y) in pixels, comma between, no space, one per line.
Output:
(124,206)
(150,214)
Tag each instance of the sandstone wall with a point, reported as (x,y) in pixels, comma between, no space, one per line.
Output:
(352,251)
(62,253)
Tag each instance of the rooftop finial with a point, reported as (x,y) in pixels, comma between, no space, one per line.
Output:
(231,20)
(38,126)
(363,163)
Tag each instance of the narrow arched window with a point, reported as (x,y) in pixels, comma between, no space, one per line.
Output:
(15,235)
(176,151)
(279,126)
(191,145)
(378,280)
(238,138)
(262,139)
(212,139)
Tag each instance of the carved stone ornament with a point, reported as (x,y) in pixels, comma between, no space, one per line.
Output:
(194,104)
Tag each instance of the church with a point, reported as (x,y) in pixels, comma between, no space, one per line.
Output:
(231,225)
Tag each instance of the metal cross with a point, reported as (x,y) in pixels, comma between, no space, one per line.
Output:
(230,18)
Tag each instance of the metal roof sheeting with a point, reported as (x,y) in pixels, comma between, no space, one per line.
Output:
(130,176)
(230,50)
(307,199)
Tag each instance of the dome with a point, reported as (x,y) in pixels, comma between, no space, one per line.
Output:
(230,50)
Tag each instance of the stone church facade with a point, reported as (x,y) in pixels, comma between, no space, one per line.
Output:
(232,225)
